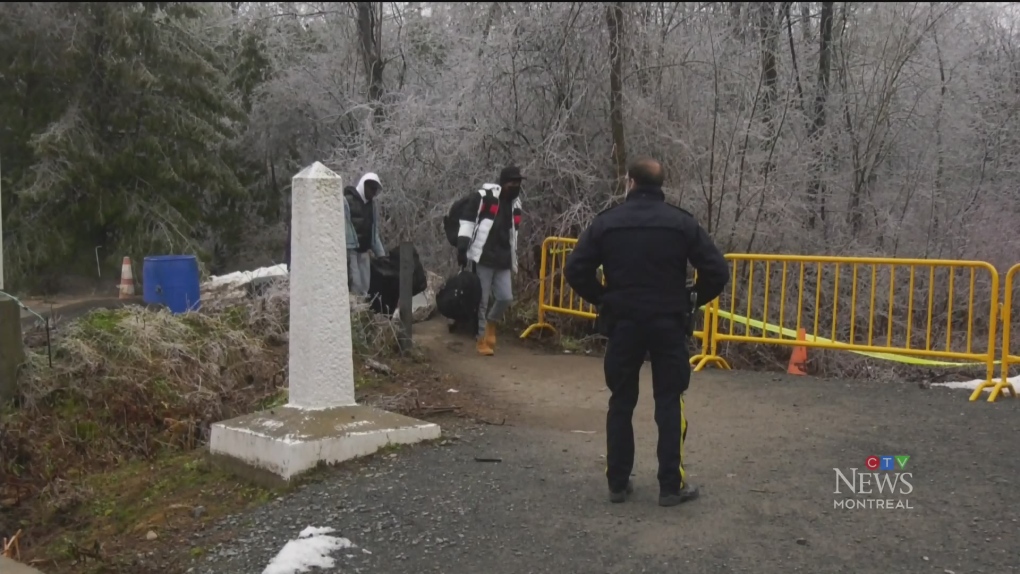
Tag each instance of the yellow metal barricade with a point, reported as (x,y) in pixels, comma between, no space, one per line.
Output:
(1012,284)
(924,312)
(914,311)
(556,296)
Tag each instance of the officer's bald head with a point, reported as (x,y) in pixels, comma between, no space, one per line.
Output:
(644,172)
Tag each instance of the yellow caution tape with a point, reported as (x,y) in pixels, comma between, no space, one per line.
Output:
(782,331)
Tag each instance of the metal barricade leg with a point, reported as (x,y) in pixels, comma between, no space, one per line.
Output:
(543,275)
(709,349)
(1003,385)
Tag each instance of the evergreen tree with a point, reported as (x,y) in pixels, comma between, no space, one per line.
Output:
(134,163)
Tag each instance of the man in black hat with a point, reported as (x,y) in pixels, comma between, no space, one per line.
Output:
(488,238)
(643,246)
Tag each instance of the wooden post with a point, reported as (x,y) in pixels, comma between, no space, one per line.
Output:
(2,242)
(12,350)
(406,280)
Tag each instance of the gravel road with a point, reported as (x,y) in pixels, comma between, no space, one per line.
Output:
(763,447)
(544,509)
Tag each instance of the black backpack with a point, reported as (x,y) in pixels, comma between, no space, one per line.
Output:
(451,221)
(458,299)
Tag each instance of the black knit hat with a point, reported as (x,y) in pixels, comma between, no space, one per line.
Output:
(510,173)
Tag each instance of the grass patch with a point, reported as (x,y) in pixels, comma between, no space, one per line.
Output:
(113,512)
(573,334)
(130,383)
(105,446)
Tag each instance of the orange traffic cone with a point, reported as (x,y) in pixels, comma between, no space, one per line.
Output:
(127,280)
(798,359)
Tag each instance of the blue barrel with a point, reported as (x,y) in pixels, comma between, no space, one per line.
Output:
(172,281)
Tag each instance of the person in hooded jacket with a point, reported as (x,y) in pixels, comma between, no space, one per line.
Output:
(488,238)
(362,232)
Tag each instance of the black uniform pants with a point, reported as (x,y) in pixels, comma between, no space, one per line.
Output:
(665,339)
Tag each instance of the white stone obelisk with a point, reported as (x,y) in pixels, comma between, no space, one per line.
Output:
(321,422)
(321,368)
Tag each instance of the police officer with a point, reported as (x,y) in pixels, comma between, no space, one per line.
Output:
(643,246)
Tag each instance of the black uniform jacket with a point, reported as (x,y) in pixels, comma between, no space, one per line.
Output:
(643,246)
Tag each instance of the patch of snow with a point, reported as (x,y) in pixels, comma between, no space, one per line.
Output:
(239,278)
(419,301)
(971,385)
(311,549)
(345,426)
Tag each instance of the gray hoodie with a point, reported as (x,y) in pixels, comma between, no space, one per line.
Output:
(352,236)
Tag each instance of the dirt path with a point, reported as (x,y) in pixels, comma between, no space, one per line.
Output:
(764,447)
(69,308)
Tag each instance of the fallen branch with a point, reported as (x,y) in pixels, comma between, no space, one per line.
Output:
(483,421)
(379,367)
(437,410)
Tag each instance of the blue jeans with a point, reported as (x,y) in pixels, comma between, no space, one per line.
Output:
(359,271)
(497,282)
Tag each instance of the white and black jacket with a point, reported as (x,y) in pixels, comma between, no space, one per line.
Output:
(477,221)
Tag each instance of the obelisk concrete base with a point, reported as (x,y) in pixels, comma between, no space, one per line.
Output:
(274,446)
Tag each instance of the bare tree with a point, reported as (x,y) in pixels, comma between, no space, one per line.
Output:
(370,34)
(816,129)
(614,23)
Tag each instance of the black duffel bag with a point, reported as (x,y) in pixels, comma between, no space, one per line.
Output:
(384,288)
(458,300)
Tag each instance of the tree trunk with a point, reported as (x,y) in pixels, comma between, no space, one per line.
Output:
(768,34)
(793,57)
(937,194)
(736,21)
(494,15)
(370,35)
(614,23)
(642,54)
(805,23)
(816,191)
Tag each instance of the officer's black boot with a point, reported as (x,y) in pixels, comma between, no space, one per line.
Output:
(687,493)
(617,497)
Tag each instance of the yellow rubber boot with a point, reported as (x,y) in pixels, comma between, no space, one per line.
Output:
(490,335)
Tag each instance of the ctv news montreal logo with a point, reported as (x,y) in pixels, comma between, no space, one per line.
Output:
(880,485)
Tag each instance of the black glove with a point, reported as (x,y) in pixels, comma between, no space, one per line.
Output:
(603,320)
(461,258)
(692,310)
